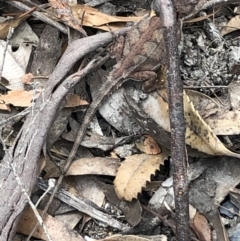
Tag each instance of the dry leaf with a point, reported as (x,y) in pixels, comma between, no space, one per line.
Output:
(222,122)
(56,229)
(19,97)
(86,186)
(51,169)
(25,98)
(95,19)
(95,165)
(12,23)
(232,25)
(134,172)
(132,211)
(205,105)
(4,106)
(149,146)
(74,100)
(201,227)
(83,166)
(91,17)
(200,136)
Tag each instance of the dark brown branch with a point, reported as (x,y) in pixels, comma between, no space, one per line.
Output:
(177,122)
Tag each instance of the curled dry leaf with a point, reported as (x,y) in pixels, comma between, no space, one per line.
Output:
(134,172)
(223,121)
(200,136)
(232,25)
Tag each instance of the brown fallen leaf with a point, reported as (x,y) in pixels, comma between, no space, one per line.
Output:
(24,98)
(74,100)
(83,166)
(201,227)
(149,146)
(96,165)
(56,229)
(134,172)
(91,17)
(19,97)
(132,211)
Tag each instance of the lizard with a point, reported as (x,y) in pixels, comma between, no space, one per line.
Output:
(143,54)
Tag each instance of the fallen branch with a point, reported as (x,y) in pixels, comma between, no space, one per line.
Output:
(26,149)
(166,10)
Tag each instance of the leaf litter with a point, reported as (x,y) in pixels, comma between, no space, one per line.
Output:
(208,124)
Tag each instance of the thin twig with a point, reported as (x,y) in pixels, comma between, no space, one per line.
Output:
(39,218)
(85,206)
(15,118)
(71,81)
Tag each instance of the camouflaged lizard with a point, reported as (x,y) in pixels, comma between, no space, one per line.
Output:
(143,54)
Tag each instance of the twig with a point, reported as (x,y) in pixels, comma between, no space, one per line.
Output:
(41,117)
(19,182)
(51,185)
(15,118)
(165,9)
(39,15)
(81,205)
(69,83)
